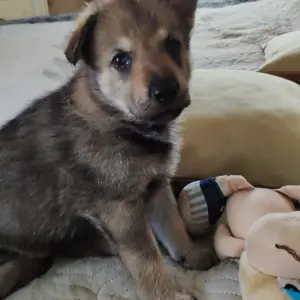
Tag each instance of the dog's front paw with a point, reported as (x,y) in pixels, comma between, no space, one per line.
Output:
(200,259)
(198,255)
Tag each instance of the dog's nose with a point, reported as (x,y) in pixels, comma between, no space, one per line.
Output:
(164,90)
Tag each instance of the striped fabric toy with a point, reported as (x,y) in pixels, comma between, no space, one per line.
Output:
(201,204)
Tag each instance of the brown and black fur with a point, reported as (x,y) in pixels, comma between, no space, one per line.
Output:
(86,169)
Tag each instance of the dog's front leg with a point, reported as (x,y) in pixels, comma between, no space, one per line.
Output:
(137,248)
(171,231)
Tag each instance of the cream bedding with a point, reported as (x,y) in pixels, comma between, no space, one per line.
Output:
(106,279)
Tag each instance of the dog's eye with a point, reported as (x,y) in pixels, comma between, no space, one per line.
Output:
(122,61)
(173,47)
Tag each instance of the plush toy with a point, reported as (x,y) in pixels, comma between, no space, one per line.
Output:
(255,285)
(263,224)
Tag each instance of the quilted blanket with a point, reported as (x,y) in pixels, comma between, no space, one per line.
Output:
(106,279)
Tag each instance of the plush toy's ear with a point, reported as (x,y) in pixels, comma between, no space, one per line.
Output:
(232,183)
(186,9)
(80,45)
(292,191)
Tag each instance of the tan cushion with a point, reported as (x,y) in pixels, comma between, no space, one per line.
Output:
(282,55)
(242,122)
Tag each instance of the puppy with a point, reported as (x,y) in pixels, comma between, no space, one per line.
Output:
(86,170)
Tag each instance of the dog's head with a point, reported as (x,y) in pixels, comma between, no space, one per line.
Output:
(138,53)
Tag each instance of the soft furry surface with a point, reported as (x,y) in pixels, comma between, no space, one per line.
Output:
(234,36)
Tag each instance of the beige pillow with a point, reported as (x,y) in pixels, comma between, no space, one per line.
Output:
(282,55)
(242,122)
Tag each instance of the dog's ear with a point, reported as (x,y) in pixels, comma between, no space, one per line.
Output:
(80,45)
(186,9)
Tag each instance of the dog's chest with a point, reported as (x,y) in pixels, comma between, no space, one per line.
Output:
(133,168)
(130,164)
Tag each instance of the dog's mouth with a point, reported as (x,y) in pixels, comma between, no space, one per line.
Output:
(167,115)
(157,114)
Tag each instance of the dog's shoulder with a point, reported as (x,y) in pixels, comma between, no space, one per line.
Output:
(41,112)
(38,131)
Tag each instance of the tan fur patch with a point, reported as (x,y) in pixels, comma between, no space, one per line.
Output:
(124,44)
(91,8)
(85,107)
(138,82)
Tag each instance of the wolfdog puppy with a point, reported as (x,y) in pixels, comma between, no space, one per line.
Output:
(85,170)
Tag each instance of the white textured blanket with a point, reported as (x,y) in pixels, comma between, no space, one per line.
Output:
(104,279)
